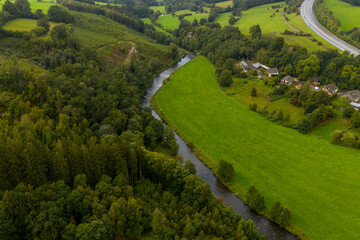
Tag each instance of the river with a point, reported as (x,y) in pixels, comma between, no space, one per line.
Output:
(264,226)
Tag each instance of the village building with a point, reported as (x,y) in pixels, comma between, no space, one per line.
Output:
(331,89)
(288,80)
(352,96)
(314,81)
(273,71)
(259,65)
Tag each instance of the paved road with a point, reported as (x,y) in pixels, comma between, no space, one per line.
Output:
(309,18)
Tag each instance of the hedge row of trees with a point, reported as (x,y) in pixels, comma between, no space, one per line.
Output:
(277,213)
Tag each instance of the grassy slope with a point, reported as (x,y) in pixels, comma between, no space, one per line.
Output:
(318,181)
(94,31)
(169,22)
(258,15)
(34,4)
(148,21)
(225,4)
(159,8)
(297,21)
(261,15)
(348,15)
(242,94)
(22,24)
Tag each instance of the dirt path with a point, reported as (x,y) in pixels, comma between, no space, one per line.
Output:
(291,26)
(130,53)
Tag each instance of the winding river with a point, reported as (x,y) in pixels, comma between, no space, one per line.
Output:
(264,226)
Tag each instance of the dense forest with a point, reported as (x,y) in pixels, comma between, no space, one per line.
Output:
(79,157)
(353,2)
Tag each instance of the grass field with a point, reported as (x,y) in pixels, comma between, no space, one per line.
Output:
(297,21)
(148,21)
(169,22)
(302,41)
(318,181)
(22,24)
(158,8)
(241,92)
(224,4)
(348,15)
(258,15)
(34,4)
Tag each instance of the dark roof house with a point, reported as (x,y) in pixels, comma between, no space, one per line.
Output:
(353,96)
(287,80)
(273,71)
(331,89)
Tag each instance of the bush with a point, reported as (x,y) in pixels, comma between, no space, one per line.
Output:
(190,166)
(59,13)
(253,107)
(348,112)
(355,119)
(253,92)
(225,79)
(255,200)
(225,170)
(38,31)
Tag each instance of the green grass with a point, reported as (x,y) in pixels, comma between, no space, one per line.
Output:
(241,92)
(169,22)
(318,181)
(302,41)
(325,130)
(158,8)
(224,4)
(258,15)
(22,24)
(297,21)
(95,31)
(348,15)
(148,21)
(34,4)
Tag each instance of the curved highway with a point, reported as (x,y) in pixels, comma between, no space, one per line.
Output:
(309,18)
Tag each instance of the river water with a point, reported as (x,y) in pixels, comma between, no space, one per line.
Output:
(264,226)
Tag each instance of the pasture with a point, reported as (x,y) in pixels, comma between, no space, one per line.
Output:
(318,181)
(22,24)
(348,15)
(35,4)
(224,4)
(158,8)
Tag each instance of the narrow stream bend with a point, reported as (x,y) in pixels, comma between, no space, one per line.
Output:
(264,226)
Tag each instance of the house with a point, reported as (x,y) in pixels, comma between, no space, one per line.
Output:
(273,71)
(352,96)
(355,105)
(244,65)
(331,89)
(299,85)
(314,81)
(259,65)
(287,80)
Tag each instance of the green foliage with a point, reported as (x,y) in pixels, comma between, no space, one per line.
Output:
(279,214)
(355,119)
(255,199)
(255,32)
(59,13)
(225,170)
(44,23)
(253,92)
(225,78)
(190,167)
(348,112)
(253,107)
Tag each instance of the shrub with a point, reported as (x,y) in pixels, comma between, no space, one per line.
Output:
(253,92)
(225,170)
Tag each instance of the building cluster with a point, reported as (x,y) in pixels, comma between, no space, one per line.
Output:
(331,89)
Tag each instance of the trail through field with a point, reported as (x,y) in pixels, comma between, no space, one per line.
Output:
(131,51)
(291,26)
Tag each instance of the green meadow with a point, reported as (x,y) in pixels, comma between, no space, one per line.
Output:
(158,8)
(318,181)
(35,4)
(224,4)
(297,22)
(169,22)
(348,15)
(22,24)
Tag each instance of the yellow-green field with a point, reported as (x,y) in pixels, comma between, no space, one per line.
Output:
(225,4)
(348,15)
(34,4)
(22,24)
(259,15)
(297,22)
(158,8)
(318,181)
(169,22)
(242,91)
